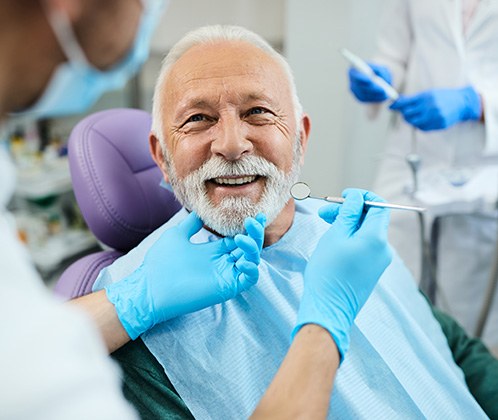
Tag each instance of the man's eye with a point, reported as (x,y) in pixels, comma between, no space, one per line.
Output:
(196,118)
(257,110)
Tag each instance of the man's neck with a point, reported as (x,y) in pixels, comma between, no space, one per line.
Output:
(281,224)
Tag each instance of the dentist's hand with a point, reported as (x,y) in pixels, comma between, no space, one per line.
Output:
(179,277)
(438,109)
(364,89)
(345,266)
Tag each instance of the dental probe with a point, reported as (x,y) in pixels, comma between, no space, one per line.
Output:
(301,191)
(364,68)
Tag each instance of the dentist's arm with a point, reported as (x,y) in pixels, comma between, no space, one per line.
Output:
(303,384)
(176,277)
(105,317)
(341,274)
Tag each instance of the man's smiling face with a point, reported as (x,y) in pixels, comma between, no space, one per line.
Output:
(233,144)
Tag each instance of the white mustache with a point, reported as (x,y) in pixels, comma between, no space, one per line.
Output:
(217,167)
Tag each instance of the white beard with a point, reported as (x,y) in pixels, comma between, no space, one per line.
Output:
(227,218)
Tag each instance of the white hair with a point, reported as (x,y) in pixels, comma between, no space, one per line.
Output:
(210,35)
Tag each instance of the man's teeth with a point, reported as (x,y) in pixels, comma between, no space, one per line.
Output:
(235,181)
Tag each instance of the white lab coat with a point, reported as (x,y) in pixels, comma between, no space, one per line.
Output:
(423,44)
(53,364)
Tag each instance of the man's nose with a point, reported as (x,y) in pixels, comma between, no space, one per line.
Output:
(231,141)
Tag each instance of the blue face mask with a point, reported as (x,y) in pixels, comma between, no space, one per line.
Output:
(76,84)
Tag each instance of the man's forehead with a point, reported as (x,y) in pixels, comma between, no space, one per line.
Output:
(233,71)
(223,60)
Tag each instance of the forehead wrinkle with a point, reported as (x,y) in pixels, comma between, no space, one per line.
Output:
(200,71)
(258,96)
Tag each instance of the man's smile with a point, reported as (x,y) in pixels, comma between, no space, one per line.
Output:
(249,186)
(234,180)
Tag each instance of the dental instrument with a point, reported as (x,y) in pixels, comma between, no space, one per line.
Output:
(301,191)
(360,65)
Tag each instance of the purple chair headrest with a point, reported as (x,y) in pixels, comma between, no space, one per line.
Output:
(115,180)
(78,279)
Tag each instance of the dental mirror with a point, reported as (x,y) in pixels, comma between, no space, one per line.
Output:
(301,191)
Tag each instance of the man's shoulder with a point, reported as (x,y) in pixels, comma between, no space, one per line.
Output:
(127,263)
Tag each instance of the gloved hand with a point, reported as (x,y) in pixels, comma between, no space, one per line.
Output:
(345,266)
(178,277)
(438,109)
(364,89)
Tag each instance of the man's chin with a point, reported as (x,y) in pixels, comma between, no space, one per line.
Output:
(227,219)
(226,224)
(225,232)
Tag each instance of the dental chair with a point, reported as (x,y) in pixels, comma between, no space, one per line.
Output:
(116,184)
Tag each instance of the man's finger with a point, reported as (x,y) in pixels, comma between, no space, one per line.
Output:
(249,246)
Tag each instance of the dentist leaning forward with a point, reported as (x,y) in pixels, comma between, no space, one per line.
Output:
(58,57)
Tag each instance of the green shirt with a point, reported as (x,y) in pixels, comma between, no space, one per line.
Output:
(147,387)
(479,366)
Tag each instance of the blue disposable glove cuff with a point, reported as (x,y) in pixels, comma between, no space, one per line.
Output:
(310,312)
(473,110)
(125,295)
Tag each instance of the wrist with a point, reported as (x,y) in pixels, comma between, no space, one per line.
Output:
(133,311)
(320,339)
(330,317)
(339,337)
(473,109)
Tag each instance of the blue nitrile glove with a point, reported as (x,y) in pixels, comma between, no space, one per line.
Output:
(345,266)
(364,89)
(177,276)
(438,109)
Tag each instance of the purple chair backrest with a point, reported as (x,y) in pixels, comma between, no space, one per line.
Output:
(116,184)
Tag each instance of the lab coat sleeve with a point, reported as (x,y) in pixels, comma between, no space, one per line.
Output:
(394,40)
(53,363)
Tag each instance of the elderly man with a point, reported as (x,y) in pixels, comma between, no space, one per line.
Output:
(230,135)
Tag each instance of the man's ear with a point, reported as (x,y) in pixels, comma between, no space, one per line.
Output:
(304,133)
(157,154)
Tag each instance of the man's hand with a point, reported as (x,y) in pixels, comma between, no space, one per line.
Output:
(345,266)
(438,109)
(179,277)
